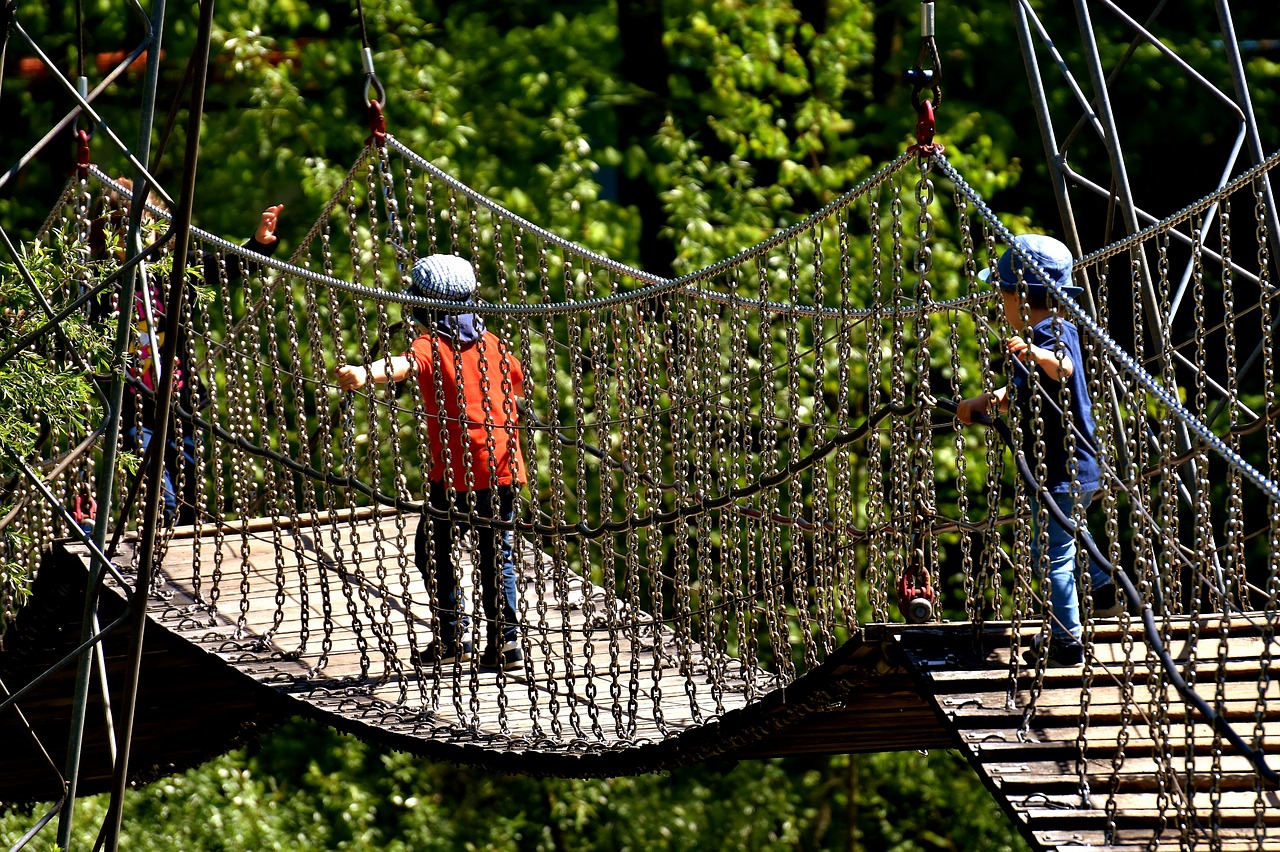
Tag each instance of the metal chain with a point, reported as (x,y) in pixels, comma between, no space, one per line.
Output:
(880,544)
(992,551)
(526,553)
(562,675)
(306,449)
(787,560)
(284,446)
(845,517)
(825,532)
(1271,595)
(609,337)
(741,555)
(347,435)
(651,340)
(770,548)
(578,355)
(973,593)
(1236,573)
(741,592)
(1034,392)
(1144,539)
(901,483)
(922,467)
(1171,579)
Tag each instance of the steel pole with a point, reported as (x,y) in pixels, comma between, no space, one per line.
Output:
(106,469)
(1241,84)
(164,398)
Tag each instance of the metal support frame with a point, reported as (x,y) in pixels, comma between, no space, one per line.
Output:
(1097,114)
(106,472)
(164,397)
(1241,85)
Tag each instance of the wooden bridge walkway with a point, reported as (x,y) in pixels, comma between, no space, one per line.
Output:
(301,631)
(1146,758)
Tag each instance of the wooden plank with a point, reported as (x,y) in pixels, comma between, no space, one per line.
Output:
(1066,818)
(1233,806)
(1237,710)
(1106,736)
(1226,840)
(1102,696)
(1036,774)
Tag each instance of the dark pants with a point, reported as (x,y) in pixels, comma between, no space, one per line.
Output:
(499,603)
(176,458)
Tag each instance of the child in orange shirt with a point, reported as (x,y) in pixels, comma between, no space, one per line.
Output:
(469,380)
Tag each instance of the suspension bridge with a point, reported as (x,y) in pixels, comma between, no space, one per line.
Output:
(749,505)
(738,532)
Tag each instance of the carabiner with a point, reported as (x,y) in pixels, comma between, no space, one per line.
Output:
(926,127)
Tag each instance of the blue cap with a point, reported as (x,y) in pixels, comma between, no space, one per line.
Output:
(443,276)
(1045,253)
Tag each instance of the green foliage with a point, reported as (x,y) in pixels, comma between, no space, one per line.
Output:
(42,389)
(46,388)
(308,788)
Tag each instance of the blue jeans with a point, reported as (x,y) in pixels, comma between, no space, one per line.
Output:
(499,604)
(176,457)
(1062,570)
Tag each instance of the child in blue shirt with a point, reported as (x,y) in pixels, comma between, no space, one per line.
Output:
(1052,349)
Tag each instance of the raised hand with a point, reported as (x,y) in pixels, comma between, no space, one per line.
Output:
(266,233)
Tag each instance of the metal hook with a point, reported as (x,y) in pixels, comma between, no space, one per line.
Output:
(377,124)
(83,160)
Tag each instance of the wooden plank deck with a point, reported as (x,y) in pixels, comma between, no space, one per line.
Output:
(188,711)
(584,706)
(328,609)
(1086,731)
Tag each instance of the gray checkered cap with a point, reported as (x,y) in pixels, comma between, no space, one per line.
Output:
(444,276)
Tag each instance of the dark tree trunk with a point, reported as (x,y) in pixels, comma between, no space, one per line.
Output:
(644,65)
(815,12)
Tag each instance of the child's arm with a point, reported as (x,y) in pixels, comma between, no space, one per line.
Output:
(1058,369)
(983,404)
(353,376)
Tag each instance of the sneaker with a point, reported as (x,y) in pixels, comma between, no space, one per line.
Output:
(1062,654)
(1108,601)
(509,658)
(441,652)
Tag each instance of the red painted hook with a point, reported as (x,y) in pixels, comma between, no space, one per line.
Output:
(86,508)
(82,154)
(916,596)
(377,124)
(925,129)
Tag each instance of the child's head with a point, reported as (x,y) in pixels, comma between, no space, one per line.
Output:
(1018,275)
(446,277)
(113,218)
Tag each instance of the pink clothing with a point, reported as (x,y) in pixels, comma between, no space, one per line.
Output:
(501,435)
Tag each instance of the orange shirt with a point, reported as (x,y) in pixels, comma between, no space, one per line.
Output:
(502,435)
